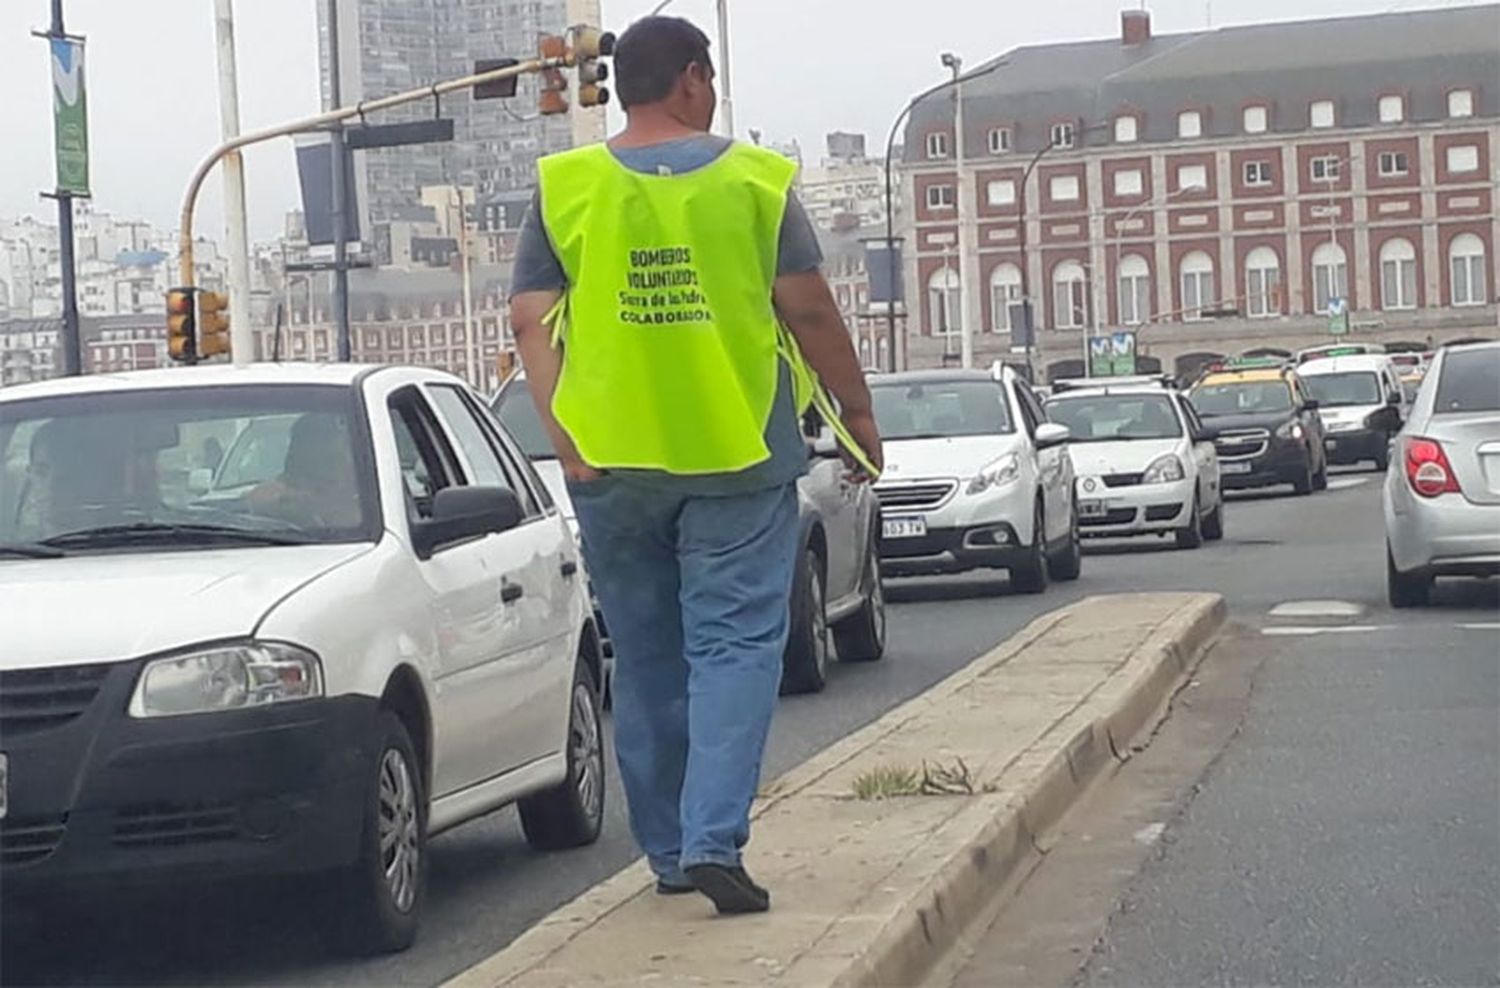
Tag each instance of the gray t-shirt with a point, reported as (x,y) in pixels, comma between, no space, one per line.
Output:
(537,268)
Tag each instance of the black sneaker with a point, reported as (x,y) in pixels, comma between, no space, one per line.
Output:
(671,888)
(731,889)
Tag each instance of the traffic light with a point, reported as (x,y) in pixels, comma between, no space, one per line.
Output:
(553,97)
(213,324)
(588,45)
(181,329)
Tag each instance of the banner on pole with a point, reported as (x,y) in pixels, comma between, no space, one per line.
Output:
(1112,355)
(70,116)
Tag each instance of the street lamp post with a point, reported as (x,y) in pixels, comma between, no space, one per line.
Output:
(965,305)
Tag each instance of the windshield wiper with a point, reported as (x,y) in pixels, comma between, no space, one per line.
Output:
(30,550)
(171,533)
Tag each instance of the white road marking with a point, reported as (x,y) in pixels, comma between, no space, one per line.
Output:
(1344,483)
(1302,631)
(1150,833)
(1317,609)
(1481,626)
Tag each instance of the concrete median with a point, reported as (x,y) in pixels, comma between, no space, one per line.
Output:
(961,784)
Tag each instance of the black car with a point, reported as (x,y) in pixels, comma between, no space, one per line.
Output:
(1269,429)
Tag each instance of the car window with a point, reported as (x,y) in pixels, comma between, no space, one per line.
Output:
(255,454)
(427,465)
(482,447)
(1242,398)
(1191,414)
(1031,411)
(1104,418)
(941,409)
(1470,382)
(1344,389)
(515,409)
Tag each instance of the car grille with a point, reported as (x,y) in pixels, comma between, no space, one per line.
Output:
(174,824)
(36,699)
(923,496)
(1242,444)
(26,841)
(1123,479)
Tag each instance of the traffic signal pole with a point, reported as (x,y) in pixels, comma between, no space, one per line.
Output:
(236,224)
(72,339)
(336,157)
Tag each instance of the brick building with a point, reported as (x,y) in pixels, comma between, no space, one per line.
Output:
(1217,190)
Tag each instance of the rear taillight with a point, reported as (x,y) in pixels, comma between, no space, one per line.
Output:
(1427,468)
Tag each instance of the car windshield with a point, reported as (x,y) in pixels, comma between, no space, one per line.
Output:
(194,467)
(1242,398)
(940,409)
(1349,388)
(1101,418)
(1470,382)
(517,412)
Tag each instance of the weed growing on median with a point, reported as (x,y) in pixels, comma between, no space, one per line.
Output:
(889,781)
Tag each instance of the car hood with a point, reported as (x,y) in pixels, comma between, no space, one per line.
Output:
(955,456)
(1124,456)
(97,608)
(1258,420)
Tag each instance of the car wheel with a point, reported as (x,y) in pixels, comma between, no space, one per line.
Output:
(1304,484)
(571,813)
(1213,525)
(805,662)
(1406,589)
(1382,459)
(861,636)
(1190,536)
(387,884)
(1067,565)
(1031,575)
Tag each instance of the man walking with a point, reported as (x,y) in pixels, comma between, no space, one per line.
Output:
(652,277)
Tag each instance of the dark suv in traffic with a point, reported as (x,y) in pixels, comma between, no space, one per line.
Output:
(1269,429)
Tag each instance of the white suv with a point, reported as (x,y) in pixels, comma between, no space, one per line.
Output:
(1146,463)
(282,619)
(974,477)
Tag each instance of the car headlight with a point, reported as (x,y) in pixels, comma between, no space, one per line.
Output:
(227,677)
(997,474)
(1290,430)
(1164,470)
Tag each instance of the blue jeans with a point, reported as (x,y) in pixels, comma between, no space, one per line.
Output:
(695,593)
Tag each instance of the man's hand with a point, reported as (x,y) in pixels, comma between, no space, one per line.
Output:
(579,472)
(861,426)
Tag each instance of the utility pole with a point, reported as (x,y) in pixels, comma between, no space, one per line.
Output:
(72,340)
(241,336)
(477,374)
(337,159)
(966,297)
(726,98)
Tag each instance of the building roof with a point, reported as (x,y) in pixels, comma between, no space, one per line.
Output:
(1350,60)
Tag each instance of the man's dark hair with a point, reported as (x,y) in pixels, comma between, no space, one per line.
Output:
(651,55)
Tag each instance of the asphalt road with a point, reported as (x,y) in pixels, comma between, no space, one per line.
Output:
(487,886)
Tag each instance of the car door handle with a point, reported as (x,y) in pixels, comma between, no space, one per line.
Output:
(569,568)
(511,592)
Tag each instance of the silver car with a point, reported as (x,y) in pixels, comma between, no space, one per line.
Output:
(1442,492)
(837,600)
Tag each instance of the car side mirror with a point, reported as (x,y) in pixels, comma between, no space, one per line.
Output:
(825,446)
(1311,405)
(200,480)
(463,513)
(1050,434)
(1393,399)
(1205,434)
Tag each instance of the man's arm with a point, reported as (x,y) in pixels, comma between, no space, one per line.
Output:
(806,305)
(543,363)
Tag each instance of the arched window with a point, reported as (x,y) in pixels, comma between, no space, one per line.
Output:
(1135,290)
(945,311)
(1070,309)
(1005,288)
(1197,284)
(864,352)
(1330,274)
(1262,283)
(1466,268)
(1398,274)
(883,349)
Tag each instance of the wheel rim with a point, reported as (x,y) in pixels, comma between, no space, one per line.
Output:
(819,616)
(587,752)
(877,601)
(400,835)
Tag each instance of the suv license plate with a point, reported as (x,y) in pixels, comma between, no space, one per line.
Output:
(904,528)
(1092,509)
(1235,467)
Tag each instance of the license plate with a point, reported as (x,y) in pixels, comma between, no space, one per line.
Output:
(4,783)
(1092,509)
(1235,467)
(904,528)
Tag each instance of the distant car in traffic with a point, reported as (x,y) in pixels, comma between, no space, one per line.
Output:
(975,477)
(838,603)
(1268,427)
(379,635)
(1146,463)
(1442,506)
(1361,403)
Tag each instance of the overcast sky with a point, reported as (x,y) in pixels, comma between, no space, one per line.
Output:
(801,69)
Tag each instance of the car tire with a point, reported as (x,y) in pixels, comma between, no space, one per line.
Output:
(1304,484)
(1031,575)
(571,813)
(385,888)
(805,662)
(1213,525)
(861,636)
(1190,536)
(1067,565)
(1406,589)
(1383,459)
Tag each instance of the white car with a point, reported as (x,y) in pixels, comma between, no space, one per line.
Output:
(1362,403)
(1146,463)
(383,634)
(975,477)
